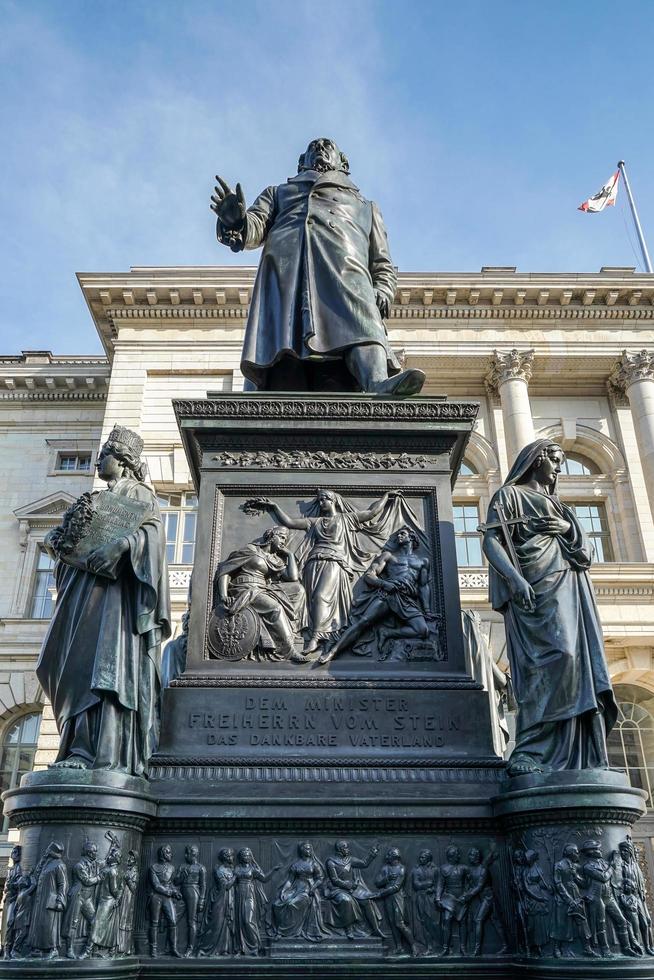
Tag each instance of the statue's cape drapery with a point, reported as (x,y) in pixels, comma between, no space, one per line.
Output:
(363,540)
(104,636)
(556,653)
(325,254)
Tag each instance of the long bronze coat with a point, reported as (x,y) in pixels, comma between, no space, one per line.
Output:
(325,256)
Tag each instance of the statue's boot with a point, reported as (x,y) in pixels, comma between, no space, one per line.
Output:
(173,943)
(70,952)
(589,951)
(153,941)
(408,382)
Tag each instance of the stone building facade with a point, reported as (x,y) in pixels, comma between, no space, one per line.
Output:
(570,356)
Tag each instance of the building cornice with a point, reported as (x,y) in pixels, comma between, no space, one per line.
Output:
(496,293)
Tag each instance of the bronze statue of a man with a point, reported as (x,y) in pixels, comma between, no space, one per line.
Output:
(324,283)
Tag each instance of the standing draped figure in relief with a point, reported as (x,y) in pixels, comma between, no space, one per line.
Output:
(50,896)
(9,896)
(331,553)
(217,935)
(126,909)
(539,559)
(99,664)
(297,910)
(250,904)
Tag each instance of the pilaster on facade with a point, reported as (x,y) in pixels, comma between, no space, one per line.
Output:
(634,374)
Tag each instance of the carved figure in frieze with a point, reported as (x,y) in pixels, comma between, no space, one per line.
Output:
(217,934)
(352,905)
(50,894)
(482,904)
(424,878)
(26,886)
(518,868)
(633,876)
(324,283)
(537,903)
(126,908)
(297,912)
(163,893)
(192,882)
(395,599)
(569,921)
(258,586)
(600,901)
(80,908)
(105,930)
(391,881)
(250,904)
(173,658)
(99,664)
(451,899)
(9,896)
(540,557)
(331,553)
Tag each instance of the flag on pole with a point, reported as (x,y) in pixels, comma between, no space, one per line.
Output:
(604,198)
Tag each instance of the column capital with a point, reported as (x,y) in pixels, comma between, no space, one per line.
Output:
(505,365)
(634,365)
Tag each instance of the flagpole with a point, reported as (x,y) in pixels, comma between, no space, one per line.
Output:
(639,230)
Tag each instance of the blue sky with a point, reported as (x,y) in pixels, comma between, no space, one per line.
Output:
(478,127)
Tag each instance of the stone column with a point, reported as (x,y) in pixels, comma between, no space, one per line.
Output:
(508,375)
(634,375)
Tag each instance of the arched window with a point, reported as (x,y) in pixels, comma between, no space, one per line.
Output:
(18,751)
(631,745)
(577,465)
(467,470)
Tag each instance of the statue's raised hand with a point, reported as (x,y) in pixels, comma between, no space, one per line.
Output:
(228,205)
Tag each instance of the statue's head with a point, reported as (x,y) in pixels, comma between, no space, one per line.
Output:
(192,853)
(55,850)
(114,856)
(406,535)
(453,854)
(531,857)
(592,848)
(425,857)
(16,853)
(90,849)
(121,453)
(165,853)
(541,461)
(342,848)
(132,858)
(625,849)
(519,856)
(392,855)
(326,501)
(226,856)
(474,855)
(323,155)
(571,852)
(304,849)
(245,856)
(276,537)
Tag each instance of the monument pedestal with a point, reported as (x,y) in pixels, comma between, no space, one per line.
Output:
(360,797)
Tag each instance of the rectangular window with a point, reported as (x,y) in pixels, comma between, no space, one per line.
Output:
(592,518)
(179,513)
(74,462)
(468,538)
(42,599)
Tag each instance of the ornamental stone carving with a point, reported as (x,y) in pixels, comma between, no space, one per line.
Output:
(505,365)
(632,366)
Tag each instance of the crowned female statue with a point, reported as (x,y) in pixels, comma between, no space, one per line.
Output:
(99,660)
(539,559)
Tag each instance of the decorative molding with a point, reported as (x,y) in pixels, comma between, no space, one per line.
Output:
(473,580)
(633,366)
(303,459)
(203,770)
(354,681)
(506,365)
(306,769)
(53,395)
(334,409)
